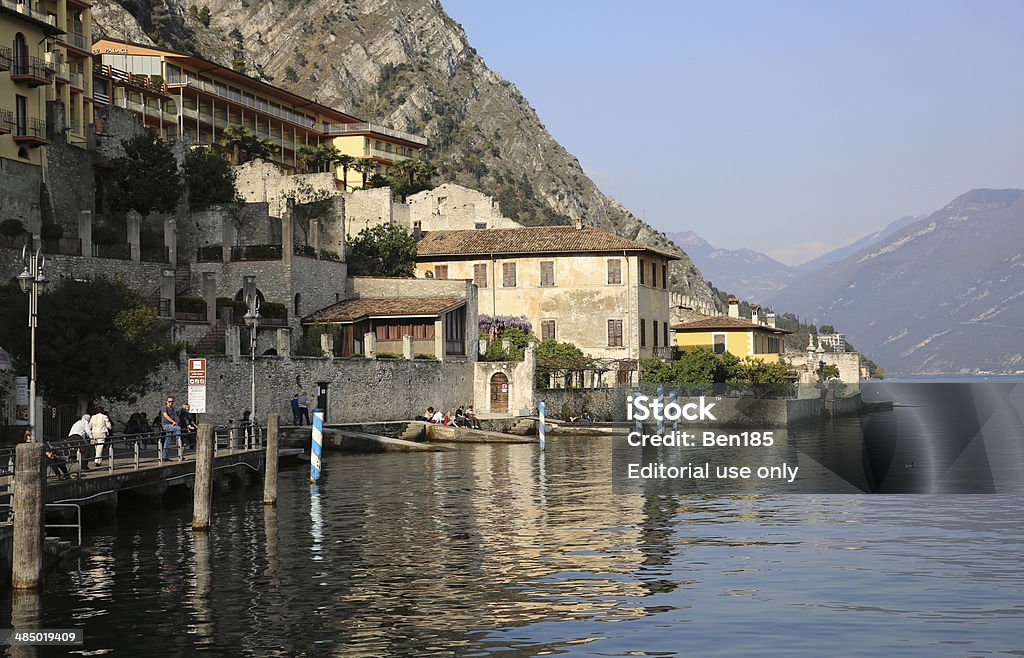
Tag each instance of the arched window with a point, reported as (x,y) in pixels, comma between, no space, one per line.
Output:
(20,54)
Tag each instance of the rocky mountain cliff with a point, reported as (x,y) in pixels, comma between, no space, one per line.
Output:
(748,274)
(944,294)
(408,65)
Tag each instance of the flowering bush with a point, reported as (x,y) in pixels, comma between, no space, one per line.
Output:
(492,325)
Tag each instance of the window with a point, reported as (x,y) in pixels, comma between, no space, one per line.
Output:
(480,275)
(665,331)
(654,275)
(441,272)
(480,225)
(664,278)
(641,268)
(547,329)
(718,343)
(643,333)
(508,275)
(547,273)
(654,332)
(615,333)
(614,271)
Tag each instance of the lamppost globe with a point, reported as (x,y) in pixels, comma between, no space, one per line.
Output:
(25,280)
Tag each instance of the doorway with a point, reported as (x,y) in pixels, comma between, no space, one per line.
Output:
(321,398)
(499,393)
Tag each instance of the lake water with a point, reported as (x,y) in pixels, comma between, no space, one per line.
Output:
(492,550)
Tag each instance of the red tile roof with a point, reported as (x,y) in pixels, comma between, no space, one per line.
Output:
(354,310)
(724,322)
(528,240)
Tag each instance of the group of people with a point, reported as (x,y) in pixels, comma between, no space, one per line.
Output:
(300,409)
(461,417)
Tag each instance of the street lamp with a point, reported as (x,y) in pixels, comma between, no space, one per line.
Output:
(252,320)
(33,282)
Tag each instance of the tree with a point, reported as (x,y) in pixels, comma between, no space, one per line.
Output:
(830,371)
(146,177)
(209,178)
(95,339)
(382,250)
(366,166)
(245,145)
(410,176)
(346,162)
(318,158)
(560,360)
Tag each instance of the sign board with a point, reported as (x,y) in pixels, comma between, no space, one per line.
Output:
(21,400)
(197,386)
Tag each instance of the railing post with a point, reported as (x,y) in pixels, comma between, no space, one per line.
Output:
(136,455)
(203,485)
(110,455)
(270,475)
(29,516)
(181,450)
(78,458)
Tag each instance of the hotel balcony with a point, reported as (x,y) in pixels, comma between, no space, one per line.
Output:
(6,122)
(32,71)
(25,9)
(30,131)
(6,58)
(341,129)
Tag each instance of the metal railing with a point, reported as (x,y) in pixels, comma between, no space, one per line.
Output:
(154,254)
(30,127)
(161,305)
(25,8)
(65,246)
(257,252)
(33,67)
(77,525)
(6,121)
(114,251)
(6,57)
(343,128)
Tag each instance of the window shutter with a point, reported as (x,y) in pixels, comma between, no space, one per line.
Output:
(441,272)
(480,275)
(547,273)
(643,333)
(614,271)
(508,273)
(547,330)
(615,333)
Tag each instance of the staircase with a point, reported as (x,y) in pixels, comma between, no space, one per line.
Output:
(212,341)
(182,278)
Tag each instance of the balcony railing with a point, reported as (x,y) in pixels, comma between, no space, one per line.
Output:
(65,246)
(161,305)
(13,241)
(154,254)
(24,8)
(6,121)
(32,69)
(30,129)
(386,155)
(78,80)
(210,254)
(257,252)
(6,58)
(114,251)
(235,97)
(346,128)
(121,78)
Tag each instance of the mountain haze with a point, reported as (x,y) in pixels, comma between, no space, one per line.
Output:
(840,253)
(942,294)
(405,64)
(749,274)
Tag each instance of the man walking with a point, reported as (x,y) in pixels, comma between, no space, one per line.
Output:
(304,410)
(99,427)
(79,437)
(296,416)
(170,425)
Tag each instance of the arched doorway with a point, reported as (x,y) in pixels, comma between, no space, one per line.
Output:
(499,393)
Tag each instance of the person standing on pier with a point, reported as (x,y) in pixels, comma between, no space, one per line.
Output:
(169,423)
(304,410)
(99,426)
(296,416)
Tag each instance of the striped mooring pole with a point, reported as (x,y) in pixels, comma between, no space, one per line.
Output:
(637,421)
(317,447)
(540,428)
(672,397)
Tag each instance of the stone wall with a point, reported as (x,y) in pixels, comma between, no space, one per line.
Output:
(847,362)
(70,177)
(520,384)
(367,208)
(143,277)
(451,207)
(20,191)
(260,181)
(359,390)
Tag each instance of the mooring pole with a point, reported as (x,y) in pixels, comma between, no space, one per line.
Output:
(317,448)
(270,474)
(203,489)
(29,516)
(540,426)
(660,426)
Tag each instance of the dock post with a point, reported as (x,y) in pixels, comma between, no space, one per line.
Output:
(29,516)
(660,425)
(270,474)
(540,425)
(316,447)
(203,489)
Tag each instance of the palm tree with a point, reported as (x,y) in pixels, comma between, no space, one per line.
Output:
(346,162)
(366,166)
(307,157)
(240,141)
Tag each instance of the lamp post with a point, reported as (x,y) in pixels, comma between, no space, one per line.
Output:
(33,282)
(252,320)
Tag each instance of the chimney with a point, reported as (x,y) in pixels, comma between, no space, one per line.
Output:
(734,307)
(770,319)
(755,313)
(579,223)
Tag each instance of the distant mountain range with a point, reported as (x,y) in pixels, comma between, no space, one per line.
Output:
(942,294)
(839,254)
(749,274)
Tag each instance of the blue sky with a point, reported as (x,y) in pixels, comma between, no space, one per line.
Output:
(787,127)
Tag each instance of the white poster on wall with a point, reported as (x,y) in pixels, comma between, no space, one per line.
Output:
(21,400)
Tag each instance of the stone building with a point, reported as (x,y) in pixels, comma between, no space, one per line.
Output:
(578,284)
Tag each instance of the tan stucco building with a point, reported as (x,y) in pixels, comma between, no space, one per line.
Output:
(578,284)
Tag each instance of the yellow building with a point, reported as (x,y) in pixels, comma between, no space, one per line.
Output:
(44,56)
(183,95)
(604,293)
(738,336)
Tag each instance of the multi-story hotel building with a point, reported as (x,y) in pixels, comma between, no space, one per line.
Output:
(44,56)
(183,95)
(604,293)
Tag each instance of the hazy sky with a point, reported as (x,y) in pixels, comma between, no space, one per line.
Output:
(787,127)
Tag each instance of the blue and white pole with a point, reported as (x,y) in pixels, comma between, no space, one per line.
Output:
(660,426)
(672,397)
(317,447)
(540,427)
(637,421)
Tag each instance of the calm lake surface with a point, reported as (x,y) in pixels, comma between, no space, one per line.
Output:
(493,550)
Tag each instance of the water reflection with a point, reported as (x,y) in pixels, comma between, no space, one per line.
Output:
(501,550)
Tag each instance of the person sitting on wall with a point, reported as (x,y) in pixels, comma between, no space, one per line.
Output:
(449,418)
(187,422)
(460,418)
(56,463)
(437,418)
(474,422)
(428,416)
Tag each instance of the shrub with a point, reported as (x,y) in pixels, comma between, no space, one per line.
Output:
(151,239)
(190,304)
(327,254)
(51,232)
(213,252)
(309,344)
(273,310)
(389,355)
(11,228)
(106,235)
(425,357)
